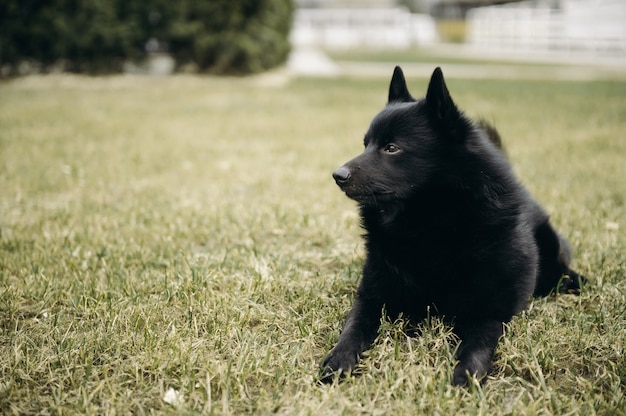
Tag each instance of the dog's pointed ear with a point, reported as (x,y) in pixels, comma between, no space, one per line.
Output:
(438,97)
(398,91)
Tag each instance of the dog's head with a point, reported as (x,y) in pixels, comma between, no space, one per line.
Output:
(404,145)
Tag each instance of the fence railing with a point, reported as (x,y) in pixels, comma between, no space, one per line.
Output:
(597,26)
(348,28)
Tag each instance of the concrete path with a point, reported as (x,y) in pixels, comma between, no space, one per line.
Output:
(486,71)
(557,66)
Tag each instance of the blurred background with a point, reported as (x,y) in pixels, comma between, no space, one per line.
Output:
(312,37)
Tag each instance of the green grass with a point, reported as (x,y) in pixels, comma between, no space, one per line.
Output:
(426,55)
(185,233)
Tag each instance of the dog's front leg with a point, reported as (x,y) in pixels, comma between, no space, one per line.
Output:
(478,343)
(358,333)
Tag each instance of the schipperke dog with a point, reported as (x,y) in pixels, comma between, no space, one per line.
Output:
(449,230)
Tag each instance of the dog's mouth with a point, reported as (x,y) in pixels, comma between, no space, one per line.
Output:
(367,195)
(357,190)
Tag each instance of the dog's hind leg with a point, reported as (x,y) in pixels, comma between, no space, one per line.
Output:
(554,260)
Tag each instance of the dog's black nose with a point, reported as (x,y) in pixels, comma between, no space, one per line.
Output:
(342,174)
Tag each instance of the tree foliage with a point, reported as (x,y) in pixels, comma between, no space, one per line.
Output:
(219,36)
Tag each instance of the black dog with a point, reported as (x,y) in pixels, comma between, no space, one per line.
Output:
(448,229)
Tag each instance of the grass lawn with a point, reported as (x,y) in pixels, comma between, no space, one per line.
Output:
(184,234)
(425,55)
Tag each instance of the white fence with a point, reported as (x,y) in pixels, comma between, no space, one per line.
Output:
(348,28)
(596,26)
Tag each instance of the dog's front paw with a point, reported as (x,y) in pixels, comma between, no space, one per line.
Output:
(336,364)
(461,376)
(463,373)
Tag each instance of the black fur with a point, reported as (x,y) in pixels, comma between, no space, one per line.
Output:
(448,229)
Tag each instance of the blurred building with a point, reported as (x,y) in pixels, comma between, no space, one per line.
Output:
(572,26)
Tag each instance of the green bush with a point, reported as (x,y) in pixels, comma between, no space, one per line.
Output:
(87,36)
(232,36)
(218,36)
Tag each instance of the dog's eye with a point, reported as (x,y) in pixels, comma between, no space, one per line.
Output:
(391,148)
